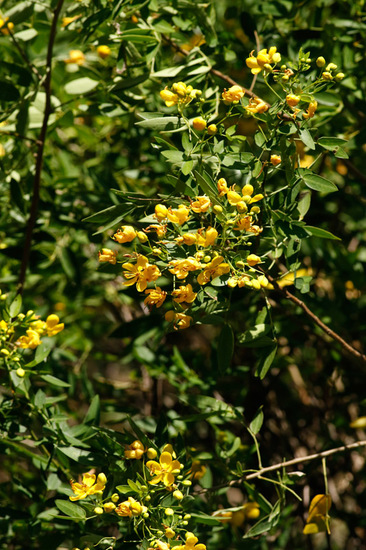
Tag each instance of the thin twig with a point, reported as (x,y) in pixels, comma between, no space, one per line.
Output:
(288,463)
(39,160)
(316,320)
(20,136)
(24,56)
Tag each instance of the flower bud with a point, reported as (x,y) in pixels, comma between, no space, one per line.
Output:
(320,61)
(178,495)
(327,76)
(184,523)
(187,482)
(169,533)
(98,510)
(212,130)
(151,453)
(217,208)
(169,512)
(102,479)
(20,372)
(115,497)
(109,507)
(142,237)
(331,67)
(199,124)
(5,352)
(187,516)
(339,76)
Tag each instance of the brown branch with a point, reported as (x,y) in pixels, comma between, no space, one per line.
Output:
(40,151)
(286,464)
(316,320)
(24,56)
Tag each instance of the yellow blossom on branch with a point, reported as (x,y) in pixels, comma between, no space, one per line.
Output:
(180,320)
(184,294)
(30,341)
(214,269)
(125,235)
(264,57)
(253,260)
(292,100)
(164,470)
(130,508)
(108,255)
(135,450)
(161,212)
(140,273)
(178,215)
(310,112)
(103,51)
(191,543)
(181,268)
(222,186)
(53,326)
(256,106)
(275,160)
(207,238)
(76,56)
(155,297)
(201,204)
(89,486)
(233,94)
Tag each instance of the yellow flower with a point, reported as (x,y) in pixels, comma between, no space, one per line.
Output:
(39,326)
(232,95)
(199,123)
(256,198)
(222,186)
(125,235)
(310,112)
(184,294)
(3,325)
(264,57)
(275,160)
(214,269)
(207,238)
(253,259)
(31,341)
(180,320)
(169,533)
(201,204)
(164,470)
(191,543)
(233,197)
(130,508)
(107,255)
(76,56)
(160,230)
(178,215)
(6,26)
(160,545)
(256,105)
(318,519)
(181,268)
(155,297)
(103,51)
(135,450)
(68,20)
(109,507)
(89,486)
(53,326)
(292,100)
(197,470)
(161,212)
(188,238)
(169,97)
(140,273)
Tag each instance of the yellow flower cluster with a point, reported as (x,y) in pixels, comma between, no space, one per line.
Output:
(179,94)
(130,508)
(38,328)
(164,470)
(263,60)
(90,485)
(6,26)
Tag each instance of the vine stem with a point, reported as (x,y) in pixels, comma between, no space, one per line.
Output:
(286,464)
(40,151)
(317,321)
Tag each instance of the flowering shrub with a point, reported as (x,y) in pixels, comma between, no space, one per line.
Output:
(182,205)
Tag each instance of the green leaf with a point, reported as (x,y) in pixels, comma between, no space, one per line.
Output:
(26,35)
(236,160)
(258,331)
(321,233)
(42,353)
(81,86)
(207,520)
(170,72)
(306,138)
(257,421)
(70,509)
(304,205)
(15,306)
(331,143)
(110,216)
(126,83)
(93,414)
(175,157)
(266,361)
(315,182)
(225,347)
(161,123)
(124,489)
(187,167)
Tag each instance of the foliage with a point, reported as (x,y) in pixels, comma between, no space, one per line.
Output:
(183,293)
